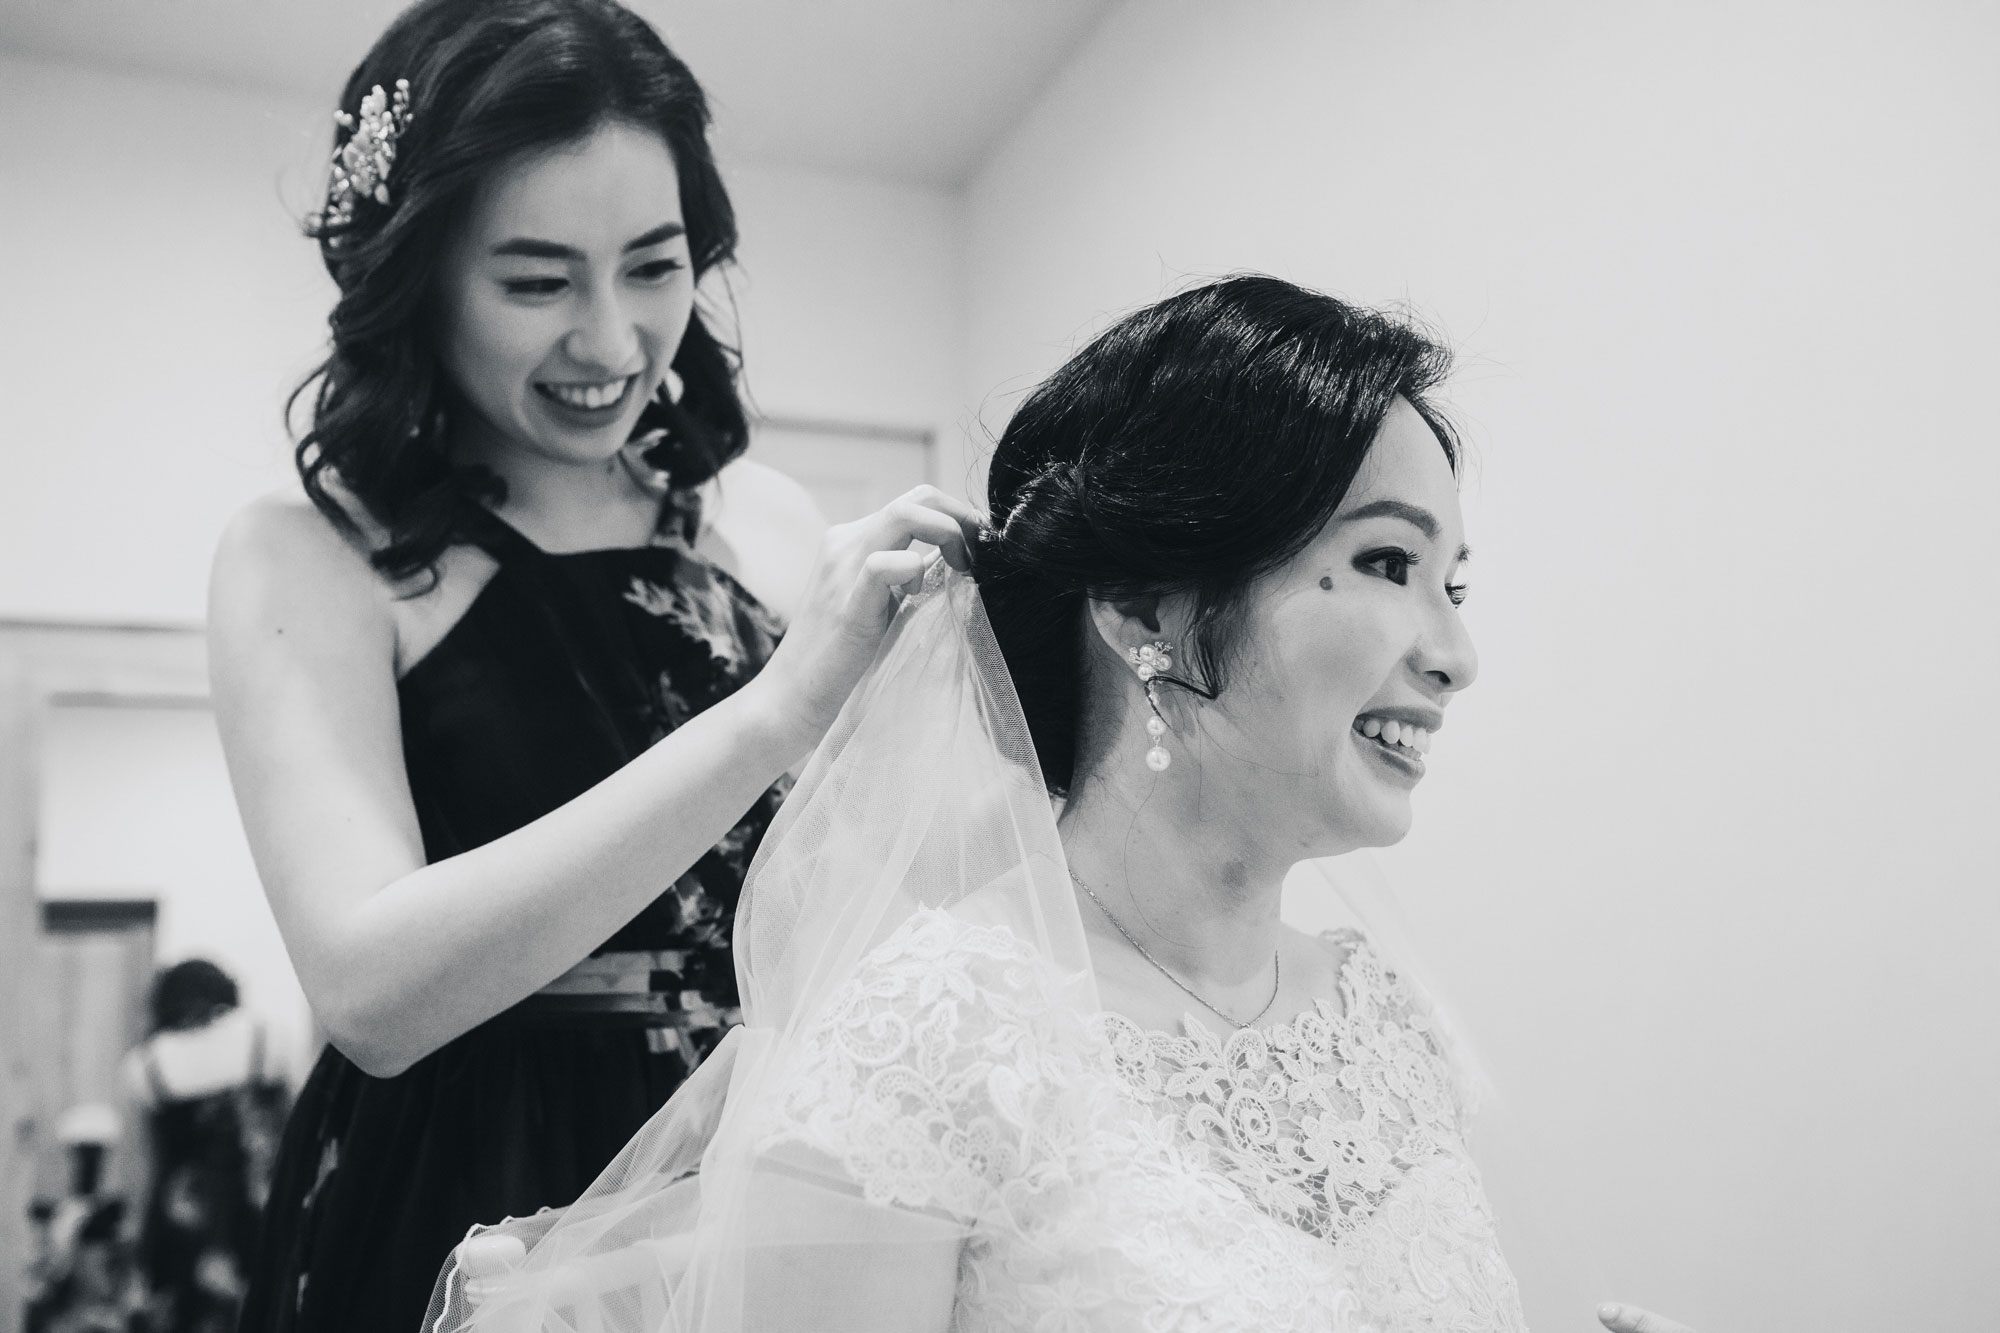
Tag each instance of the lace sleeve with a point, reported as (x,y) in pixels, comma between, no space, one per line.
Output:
(931,1079)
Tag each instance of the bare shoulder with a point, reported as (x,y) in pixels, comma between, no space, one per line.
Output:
(765,529)
(1320,959)
(1337,943)
(290,590)
(284,568)
(279,548)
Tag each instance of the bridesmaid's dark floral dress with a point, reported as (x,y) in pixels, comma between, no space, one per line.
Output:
(565,668)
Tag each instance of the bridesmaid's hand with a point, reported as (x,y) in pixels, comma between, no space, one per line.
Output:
(863,570)
(1631,1319)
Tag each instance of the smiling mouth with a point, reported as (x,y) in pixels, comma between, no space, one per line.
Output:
(593,397)
(1400,742)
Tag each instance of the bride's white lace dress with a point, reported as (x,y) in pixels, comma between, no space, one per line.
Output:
(1309,1175)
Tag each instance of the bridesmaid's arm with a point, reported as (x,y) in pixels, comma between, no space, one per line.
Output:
(399,957)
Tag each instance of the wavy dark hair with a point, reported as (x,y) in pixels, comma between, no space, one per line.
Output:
(489,80)
(1190,448)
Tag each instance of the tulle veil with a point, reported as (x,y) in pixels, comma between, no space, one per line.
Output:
(926,794)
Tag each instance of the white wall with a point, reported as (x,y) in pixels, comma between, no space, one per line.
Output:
(161,303)
(160,306)
(1708,852)
(851,301)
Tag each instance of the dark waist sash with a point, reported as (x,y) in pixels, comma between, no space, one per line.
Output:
(639,988)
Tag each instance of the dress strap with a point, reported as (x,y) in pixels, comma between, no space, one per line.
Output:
(680,517)
(156,1083)
(497,537)
(678,524)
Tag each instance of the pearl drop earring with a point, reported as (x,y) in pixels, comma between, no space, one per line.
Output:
(1150,661)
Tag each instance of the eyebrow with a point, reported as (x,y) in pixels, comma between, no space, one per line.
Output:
(528,247)
(1419,518)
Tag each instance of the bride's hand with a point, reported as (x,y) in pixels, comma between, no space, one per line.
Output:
(863,569)
(1631,1319)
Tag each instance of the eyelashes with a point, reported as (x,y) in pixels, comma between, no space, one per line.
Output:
(655,271)
(534,286)
(1394,563)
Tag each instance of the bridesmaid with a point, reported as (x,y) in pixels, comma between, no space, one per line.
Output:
(502,698)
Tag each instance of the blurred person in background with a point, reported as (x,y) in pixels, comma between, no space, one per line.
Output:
(502,695)
(212,1107)
(80,1277)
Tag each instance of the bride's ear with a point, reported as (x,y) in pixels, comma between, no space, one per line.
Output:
(1128,624)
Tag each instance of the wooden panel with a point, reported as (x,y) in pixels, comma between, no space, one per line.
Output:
(92,981)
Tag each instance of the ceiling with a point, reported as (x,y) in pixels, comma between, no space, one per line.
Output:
(906,90)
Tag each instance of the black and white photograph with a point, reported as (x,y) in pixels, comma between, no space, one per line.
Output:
(783,666)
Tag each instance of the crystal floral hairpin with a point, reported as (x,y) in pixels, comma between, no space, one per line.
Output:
(361,165)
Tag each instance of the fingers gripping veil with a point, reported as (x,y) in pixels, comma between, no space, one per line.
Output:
(759,1190)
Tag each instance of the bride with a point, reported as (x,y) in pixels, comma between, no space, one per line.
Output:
(1019,1063)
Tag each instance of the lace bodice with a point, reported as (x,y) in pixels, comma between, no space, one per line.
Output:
(1311,1175)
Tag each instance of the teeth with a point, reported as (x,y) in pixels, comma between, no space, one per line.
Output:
(1395,733)
(589,396)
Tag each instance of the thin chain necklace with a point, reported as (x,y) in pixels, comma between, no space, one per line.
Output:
(1277,976)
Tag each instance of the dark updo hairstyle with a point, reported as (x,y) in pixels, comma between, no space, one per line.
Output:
(190,994)
(1190,448)
(489,80)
